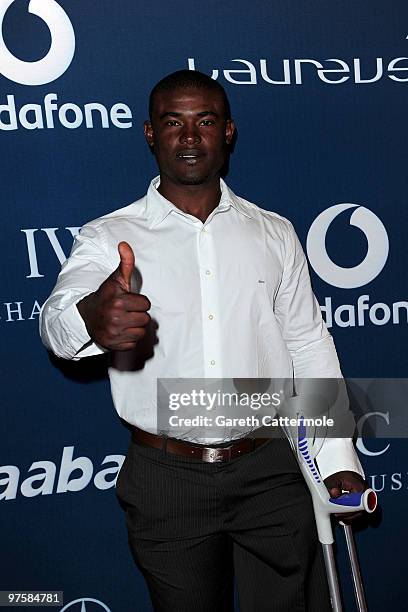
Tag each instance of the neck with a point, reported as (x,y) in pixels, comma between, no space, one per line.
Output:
(196,200)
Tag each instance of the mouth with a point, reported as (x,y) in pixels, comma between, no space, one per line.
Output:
(190,155)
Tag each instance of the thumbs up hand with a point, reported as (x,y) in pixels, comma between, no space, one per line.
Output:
(114,317)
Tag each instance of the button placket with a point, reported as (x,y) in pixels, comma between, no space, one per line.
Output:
(209,305)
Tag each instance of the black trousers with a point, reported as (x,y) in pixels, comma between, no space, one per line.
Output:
(195,526)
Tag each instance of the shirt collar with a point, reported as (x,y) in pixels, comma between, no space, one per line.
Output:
(158,208)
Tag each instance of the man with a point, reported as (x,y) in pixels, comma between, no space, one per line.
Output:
(220,290)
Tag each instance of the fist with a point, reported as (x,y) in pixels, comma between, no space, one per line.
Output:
(345,481)
(114,317)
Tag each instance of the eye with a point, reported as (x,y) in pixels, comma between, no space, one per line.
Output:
(207,122)
(172,122)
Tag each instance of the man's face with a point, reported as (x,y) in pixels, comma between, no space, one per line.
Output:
(189,135)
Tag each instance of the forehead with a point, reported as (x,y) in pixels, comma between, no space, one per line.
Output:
(188,100)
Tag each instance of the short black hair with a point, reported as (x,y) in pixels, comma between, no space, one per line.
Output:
(188,79)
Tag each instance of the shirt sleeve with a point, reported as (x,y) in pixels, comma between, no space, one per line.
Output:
(312,349)
(62,328)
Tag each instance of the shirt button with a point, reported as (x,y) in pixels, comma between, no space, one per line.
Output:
(211,317)
(208,272)
(212,362)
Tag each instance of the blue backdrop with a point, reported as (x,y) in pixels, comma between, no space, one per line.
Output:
(319,95)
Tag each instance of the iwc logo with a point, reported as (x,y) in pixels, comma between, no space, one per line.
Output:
(59,56)
(372,264)
(85,604)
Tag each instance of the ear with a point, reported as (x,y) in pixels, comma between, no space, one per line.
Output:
(229,130)
(148,132)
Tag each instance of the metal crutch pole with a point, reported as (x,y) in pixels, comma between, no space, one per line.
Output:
(324,506)
(332,579)
(355,568)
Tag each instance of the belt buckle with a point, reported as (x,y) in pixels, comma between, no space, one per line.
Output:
(214,455)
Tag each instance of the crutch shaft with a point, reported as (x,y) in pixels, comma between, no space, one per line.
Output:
(332,578)
(355,569)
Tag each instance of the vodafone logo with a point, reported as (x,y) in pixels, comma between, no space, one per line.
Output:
(59,56)
(363,311)
(372,264)
(51,112)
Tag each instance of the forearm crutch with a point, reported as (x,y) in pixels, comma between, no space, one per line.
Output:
(306,449)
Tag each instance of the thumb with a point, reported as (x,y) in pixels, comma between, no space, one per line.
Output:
(127,263)
(335,492)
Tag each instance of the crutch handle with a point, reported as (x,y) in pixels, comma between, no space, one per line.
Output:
(367,500)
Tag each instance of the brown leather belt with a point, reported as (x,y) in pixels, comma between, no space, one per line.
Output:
(209,454)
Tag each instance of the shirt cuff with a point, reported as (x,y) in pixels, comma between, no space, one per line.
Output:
(76,334)
(338,455)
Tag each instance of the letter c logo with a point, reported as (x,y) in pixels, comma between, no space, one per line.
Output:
(59,56)
(372,264)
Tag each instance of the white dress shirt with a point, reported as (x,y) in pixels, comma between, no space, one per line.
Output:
(231,297)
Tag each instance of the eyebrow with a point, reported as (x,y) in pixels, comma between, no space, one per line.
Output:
(200,114)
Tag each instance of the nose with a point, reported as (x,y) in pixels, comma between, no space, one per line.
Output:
(190,135)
